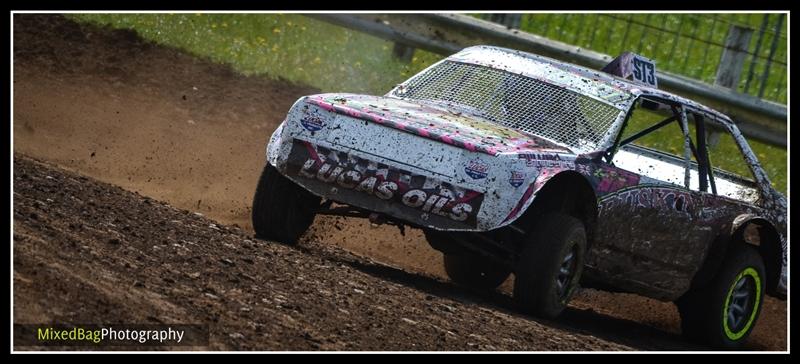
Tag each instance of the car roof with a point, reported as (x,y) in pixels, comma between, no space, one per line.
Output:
(566,74)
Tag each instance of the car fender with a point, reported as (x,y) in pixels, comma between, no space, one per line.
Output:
(719,248)
(772,253)
(544,175)
(745,219)
(537,185)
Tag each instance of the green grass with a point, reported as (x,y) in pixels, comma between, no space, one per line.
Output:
(330,58)
(291,46)
(685,44)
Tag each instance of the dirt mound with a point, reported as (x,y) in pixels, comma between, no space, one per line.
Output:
(184,130)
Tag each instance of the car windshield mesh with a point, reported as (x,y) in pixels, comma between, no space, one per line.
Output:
(515,101)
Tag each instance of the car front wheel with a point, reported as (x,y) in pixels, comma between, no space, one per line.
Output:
(282,210)
(550,265)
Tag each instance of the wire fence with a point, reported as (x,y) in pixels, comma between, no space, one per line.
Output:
(687,44)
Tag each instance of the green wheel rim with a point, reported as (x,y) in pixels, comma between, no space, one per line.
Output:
(737,315)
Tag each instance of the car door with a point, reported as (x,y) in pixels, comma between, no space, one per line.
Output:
(647,236)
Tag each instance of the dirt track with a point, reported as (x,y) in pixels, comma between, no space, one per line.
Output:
(183,130)
(90,252)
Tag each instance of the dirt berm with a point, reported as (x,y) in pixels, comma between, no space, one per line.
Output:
(182,130)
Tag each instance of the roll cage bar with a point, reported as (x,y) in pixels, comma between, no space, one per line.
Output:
(700,153)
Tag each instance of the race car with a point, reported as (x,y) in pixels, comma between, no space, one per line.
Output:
(515,163)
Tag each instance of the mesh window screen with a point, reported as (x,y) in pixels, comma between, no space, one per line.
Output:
(516,101)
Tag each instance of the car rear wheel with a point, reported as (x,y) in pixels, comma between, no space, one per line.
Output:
(475,271)
(282,210)
(723,313)
(465,267)
(549,268)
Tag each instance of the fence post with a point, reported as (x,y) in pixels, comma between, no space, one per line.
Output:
(509,20)
(731,63)
(733,55)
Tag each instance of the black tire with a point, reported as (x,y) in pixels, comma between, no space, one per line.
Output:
(282,210)
(540,288)
(474,271)
(705,310)
(443,241)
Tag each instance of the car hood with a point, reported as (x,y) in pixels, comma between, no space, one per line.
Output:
(439,122)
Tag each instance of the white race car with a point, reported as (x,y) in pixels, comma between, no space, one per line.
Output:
(513,162)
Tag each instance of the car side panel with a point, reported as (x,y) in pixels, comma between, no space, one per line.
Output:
(652,236)
(649,239)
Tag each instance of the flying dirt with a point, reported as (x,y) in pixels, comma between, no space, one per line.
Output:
(100,112)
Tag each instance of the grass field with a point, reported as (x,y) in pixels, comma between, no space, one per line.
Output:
(328,57)
(685,44)
(289,46)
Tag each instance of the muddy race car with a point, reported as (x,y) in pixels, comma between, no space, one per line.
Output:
(516,163)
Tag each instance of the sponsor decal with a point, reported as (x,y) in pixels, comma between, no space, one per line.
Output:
(535,159)
(312,122)
(349,172)
(657,198)
(477,169)
(517,178)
